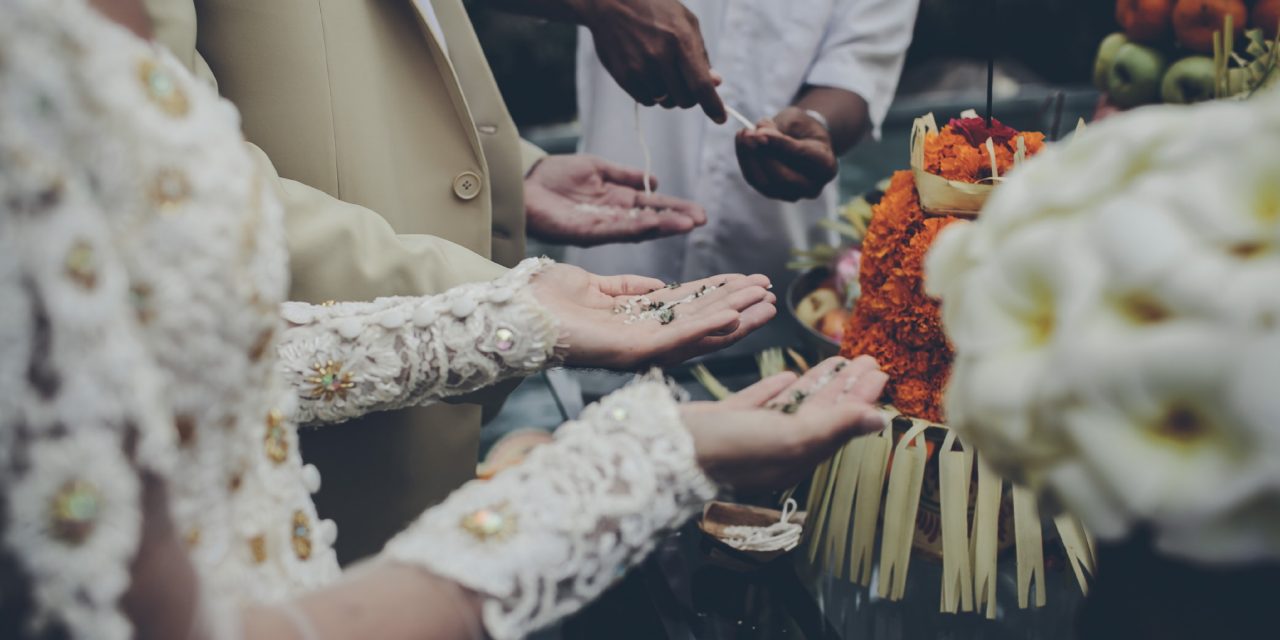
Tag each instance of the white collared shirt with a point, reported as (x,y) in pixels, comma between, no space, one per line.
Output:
(433,23)
(765,50)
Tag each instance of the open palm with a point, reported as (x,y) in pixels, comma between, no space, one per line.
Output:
(586,201)
(628,322)
(771,434)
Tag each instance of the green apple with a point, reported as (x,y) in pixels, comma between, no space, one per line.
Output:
(1134,78)
(1189,80)
(1106,56)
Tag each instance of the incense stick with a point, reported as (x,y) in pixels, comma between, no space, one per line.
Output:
(740,118)
(991,77)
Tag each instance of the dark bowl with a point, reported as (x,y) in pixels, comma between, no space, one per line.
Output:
(811,338)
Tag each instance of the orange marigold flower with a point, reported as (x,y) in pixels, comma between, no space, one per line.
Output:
(895,321)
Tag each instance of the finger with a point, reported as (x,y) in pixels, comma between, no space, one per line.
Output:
(811,382)
(759,393)
(643,223)
(788,183)
(749,164)
(710,293)
(627,285)
(749,320)
(682,290)
(696,69)
(609,224)
(642,86)
(672,223)
(828,430)
(679,95)
(805,155)
(737,300)
(868,387)
(623,175)
(678,339)
(844,380)
(678,206)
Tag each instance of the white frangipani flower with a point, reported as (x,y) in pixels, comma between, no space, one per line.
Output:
(1115,312)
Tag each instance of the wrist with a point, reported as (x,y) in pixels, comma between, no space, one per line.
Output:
(817,116)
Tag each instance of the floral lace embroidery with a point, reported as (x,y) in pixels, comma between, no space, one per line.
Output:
(346,360)
(542,539)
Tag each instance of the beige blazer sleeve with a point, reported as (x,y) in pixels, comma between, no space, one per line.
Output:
(338,250)
(347,252)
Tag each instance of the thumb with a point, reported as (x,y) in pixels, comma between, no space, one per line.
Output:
(629,285)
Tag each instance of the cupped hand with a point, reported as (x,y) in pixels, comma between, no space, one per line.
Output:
(655,52)
(631,322)
(586,201)
(789,157)
(771,435)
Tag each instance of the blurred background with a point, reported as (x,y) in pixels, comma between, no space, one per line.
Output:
(1041,47)
(1038,42)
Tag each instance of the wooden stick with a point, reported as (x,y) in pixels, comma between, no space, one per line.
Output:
(991,83)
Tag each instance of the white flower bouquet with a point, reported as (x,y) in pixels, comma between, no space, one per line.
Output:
(1115,314)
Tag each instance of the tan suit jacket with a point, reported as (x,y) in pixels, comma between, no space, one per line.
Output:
(400,171)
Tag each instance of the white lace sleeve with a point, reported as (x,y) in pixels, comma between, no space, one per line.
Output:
(81,419)
(345,360)
(542,539)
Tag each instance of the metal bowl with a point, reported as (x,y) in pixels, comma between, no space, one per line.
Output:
(812,339)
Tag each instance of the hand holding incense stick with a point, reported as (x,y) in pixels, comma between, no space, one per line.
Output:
(736,115)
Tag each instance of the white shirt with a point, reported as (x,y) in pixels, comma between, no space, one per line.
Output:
(433,23)
(765,50)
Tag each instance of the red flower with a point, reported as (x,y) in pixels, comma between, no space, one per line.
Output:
(976,131)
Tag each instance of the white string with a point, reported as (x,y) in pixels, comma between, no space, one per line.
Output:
(644,148)
(782,535)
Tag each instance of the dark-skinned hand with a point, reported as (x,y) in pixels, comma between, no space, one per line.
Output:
(655,52)
(788,157)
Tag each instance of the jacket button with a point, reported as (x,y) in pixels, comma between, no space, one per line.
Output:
(467,185)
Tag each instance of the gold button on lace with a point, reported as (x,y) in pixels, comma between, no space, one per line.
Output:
(74,511)
(506,339)
(329,381)
(81,265)
(258,548)
(162,88)
(301,535)
(492,523)
(275,443)
(169,190)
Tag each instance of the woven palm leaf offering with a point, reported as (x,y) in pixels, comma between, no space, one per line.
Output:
(918,485)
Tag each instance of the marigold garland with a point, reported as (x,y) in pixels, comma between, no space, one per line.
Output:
(895,321)
(948,153)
